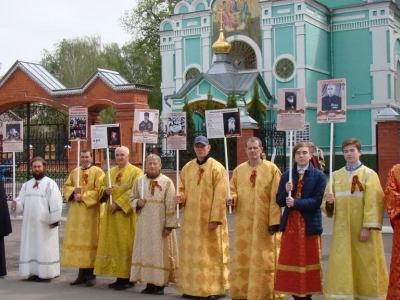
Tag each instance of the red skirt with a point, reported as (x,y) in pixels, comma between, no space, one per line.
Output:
(299,270)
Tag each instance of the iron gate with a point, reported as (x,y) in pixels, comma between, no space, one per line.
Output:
(274,142)
(45,135)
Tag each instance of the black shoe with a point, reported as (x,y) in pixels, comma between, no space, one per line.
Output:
(114,284)
(187,296)
(158,290)
(150,288)
(124,286)
(78,281)
(43,279)
(32,278)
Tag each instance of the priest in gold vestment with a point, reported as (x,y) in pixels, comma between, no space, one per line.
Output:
(82,229)
(356,266)
(118,225)
(203,244)
(155,250)
(392,200)
(254,185)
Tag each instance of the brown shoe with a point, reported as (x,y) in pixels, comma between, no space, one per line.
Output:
(91,282)
(78,281)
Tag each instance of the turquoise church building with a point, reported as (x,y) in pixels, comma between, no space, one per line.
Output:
(286,44)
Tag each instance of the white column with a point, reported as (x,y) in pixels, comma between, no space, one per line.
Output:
(300,54)
(178,63)
(205,50)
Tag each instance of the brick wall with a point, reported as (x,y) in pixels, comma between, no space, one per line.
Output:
(388,147)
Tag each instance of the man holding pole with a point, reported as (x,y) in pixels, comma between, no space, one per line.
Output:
(300,275)
(118,225)
(354,196)
(155,257)
(82,228)
(204,243)
(253,190)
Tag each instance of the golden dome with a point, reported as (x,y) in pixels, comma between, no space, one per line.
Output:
(221,45)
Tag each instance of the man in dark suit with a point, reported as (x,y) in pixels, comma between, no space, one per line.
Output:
(331,101)
(290,101)
(113,138)
(146,124)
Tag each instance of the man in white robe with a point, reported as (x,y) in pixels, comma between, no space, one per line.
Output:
(155,255)
(40,201)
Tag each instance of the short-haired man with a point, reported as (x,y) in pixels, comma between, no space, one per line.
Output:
(118,225)
(41,202)
(155,256)
(82,229)
(253,189)
(331,101)
(356,266)
(300,275)
(203,242)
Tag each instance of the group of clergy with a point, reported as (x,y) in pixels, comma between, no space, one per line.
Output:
(123,225)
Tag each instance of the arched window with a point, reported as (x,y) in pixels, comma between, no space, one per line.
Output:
(192,73)
(242,56)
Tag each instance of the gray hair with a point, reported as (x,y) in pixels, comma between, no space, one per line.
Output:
(153,157)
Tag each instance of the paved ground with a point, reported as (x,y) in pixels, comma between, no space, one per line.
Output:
(13,288)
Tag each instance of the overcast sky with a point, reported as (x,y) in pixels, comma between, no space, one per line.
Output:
(28,26)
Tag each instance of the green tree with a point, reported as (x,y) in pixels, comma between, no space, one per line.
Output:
(143,23)
(191,128)
(209,102)
(256,110)
(231,100)
(73,60)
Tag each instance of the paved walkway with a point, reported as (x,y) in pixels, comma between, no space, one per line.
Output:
(13,288)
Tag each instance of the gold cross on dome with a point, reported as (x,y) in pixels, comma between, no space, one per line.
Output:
(220,11)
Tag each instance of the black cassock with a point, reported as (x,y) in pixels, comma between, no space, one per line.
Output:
(5,228)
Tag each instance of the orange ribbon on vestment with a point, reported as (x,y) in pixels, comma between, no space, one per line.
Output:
(253,178)
(118,179)
(154,184)
(355,182)
(85,178)
(201,171)
(36,185)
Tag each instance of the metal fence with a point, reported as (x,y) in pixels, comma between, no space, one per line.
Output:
(274,143)
(45,137)
(168,157)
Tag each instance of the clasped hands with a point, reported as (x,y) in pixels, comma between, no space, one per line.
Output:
(77,194)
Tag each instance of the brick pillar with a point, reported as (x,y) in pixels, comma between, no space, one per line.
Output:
(124,116)
(388,147)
